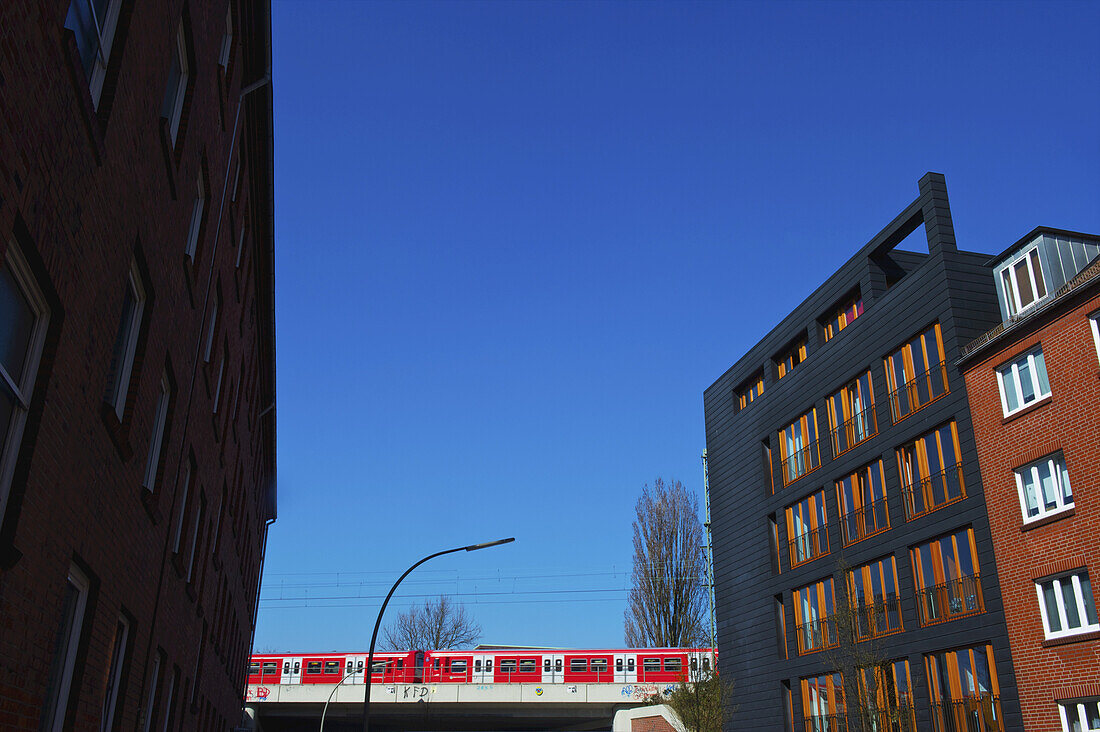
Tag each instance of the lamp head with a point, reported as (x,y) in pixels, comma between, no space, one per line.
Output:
(486,545)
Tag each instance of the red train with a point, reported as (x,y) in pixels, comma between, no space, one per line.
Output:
(510,666)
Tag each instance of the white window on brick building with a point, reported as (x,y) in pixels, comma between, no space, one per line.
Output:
(175,92)
(1023,381)
(1080,715)
(1067,605)
(1094,326)
(93,25)
(156,438)
(1044,487)
(129,327)
(75,601)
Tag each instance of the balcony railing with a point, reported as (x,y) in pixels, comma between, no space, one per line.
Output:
(936,490)
(827,723)
(955,599)
(802,461)
(806,546)
(857,429)
(864,521)
(880,618)
(816,634)
(918,391)
(980,713)
(900,718)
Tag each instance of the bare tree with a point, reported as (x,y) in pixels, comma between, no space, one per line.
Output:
(667,604)
(438,624)
(703,705)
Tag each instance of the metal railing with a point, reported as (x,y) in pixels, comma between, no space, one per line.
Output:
(816,634)
(980,713)
(827,723)
(900,718)
(867,520)
(877,619)
(802,461)
(918,391)
(955,599)
(938,489)
(809,545)
(861,426)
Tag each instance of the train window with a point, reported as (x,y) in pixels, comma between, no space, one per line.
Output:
(694,664)
(350,667)
(673,664)
(253,669)
(271,667)
(630,664)
(651,664)
(458,666)
(400,663)
(297,666)
(706,663)
(313,667)
(286,667)
(378,667)
(488,664)
(477,665)
(507,665)
(557,665)
(437,663)
(618,664)
(546,664)
(599,665)
(528,666)
(332,667)
(578,664)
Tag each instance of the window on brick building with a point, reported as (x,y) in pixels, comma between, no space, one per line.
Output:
(798,450)
(58,692)
(114,673)
(1080,715)
(227,39)
(851,414)
(861,497)
(1023,381)
(129,327)
(1021,281)
(24,317)
(175,91)
(196,530)
(815,622)
(151,695)
(1094,326)
(181,517)
(1067,605)
(823,703)
(156,439)
(916,373)
(842,315)
(807,529)
(947,577)
(198,213)
(931,471)
(212,326)
(964,689)
(1044,488)
(93,25)
(875,598)
(791,357)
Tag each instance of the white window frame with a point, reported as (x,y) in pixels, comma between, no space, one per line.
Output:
(197,212)
(156,439)
(118,660)
(211,327)
(169,700)
(1011,370)
(105,32)
(120,388)
(1012,287)
(181,87)
(151,698)
(71,640)
(1074,578)
(1055,464)
(221,377)
(1094,326)
(24,388)
(178,533)
(1078,706)
(227,40)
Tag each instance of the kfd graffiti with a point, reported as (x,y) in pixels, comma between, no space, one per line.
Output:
(413,693)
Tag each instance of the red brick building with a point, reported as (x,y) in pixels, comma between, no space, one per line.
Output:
(137,381)
(1034,398)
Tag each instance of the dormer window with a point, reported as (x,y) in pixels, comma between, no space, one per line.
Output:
(750,390)
(788,359)
(843,314)
(1021,281)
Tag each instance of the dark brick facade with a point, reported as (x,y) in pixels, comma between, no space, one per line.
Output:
(86,193)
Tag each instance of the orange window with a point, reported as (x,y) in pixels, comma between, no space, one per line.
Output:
(964,689)
(798,447)
(807,529)
(861,497)
(931,471)
(876,600)
(852,414)
(750,390)
(916,373)
(891,690)
(767,457)
(823,702)
(815,626)
(843,316)
(948,581)
(787,360)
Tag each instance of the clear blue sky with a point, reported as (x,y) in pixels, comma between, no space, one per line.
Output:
(516,241)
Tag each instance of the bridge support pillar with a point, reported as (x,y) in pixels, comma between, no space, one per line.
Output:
(250,719)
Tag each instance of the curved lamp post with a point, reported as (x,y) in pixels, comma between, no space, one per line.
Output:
(331,694)
(374,636)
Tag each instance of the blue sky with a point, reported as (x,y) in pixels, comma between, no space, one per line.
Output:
(516,241)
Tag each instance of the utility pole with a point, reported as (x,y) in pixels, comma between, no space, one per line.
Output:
(710,563)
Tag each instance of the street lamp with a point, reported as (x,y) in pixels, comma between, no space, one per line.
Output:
(374,636)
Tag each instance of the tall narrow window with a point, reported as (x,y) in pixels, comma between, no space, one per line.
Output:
(1022,281)
(93,25)
(916,373)
(175,92)
(807,529)
(196,529)
(823,703)
(129,327)
(64,657)
(875,598)
(1023,381)
(798,447)
(198,208)
(240,245)
(780,626)
(169,700)
(1044,487)
(964,689)
(769,471)
(786,361)
(212,325)
(862,500)
(156,438)
(1094,326)
(843,315)
(227,39)
(931,472)
(181,517)
(222,363)
(748,392)
(816,623)
(852,414)
(1080,715)
(24,317)
(947,577)
(154,686)
(890,692)
(114,674)
(1067,605)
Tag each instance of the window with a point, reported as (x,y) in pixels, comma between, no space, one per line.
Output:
(852,414)
(875,598)
(378,667)
(129,326)
(780,626)
(843,315)
(313,667)
(458,667)
(798,447)
(1023,382)
(170,699)
(227,40)
(220,377)
(176,90)
(931,472)
(578,665)
(507,665)
(1094,325)
(599,665)
(790,358)
(240,246)
(1044,487)
(650,665)
(156,439)
(114,675)
(1067,605)
(861,498)
(916,373)
(64,657)
(948,582)
(1081,715)
(1022,281)
(964,689)
(93,25)
(823,703)
(332,667)
(196,529)
(889,693)
(815,625)
(177,536)
(750,390)
(766,456)
(23,320)
(212,326)
(807,529)
(198,208)
(528,665)
(154,685)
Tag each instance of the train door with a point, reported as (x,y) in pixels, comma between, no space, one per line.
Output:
(483,669)
(418,669)
(553,668)
(355,666)
(292,671)
(626,668)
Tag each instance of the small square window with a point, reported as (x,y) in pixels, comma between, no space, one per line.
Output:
(1044,487)
(1021,281)
(1023,381)
(1067,605)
